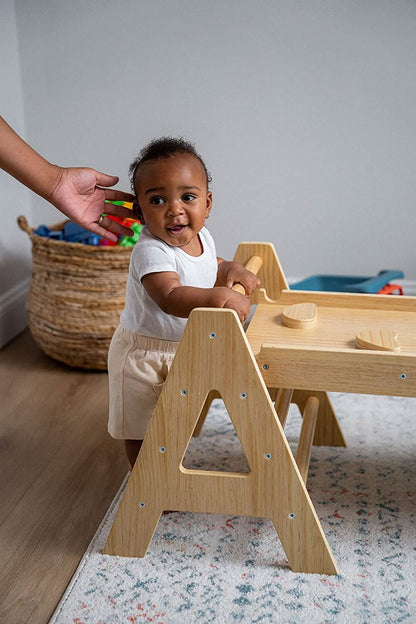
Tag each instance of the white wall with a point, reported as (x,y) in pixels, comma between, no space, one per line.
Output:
(15,259)
(303,110)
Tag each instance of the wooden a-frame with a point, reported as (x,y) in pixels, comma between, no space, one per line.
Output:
(214,356)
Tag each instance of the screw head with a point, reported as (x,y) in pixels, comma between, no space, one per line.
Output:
(162,449)
(184,392)
(243,395)
(265,367)
(212,335)
(292,515)
(403,376)
(268,455)
(142,504)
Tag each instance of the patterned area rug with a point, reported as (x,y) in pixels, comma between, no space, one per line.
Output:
(222,569)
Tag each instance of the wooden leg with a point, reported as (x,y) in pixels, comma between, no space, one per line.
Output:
(282,404)
(303,453)
(328,431)
(141,512)
(273,393)
(214,354)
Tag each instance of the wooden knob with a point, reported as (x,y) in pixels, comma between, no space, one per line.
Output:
(300,315)
(377,340)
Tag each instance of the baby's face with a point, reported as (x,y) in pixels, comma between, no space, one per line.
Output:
(174,200)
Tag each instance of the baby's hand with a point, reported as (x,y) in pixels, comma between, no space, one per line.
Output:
(231,273)
(230,299)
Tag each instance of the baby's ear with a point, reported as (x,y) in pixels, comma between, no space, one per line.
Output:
(138,211)
(209,204)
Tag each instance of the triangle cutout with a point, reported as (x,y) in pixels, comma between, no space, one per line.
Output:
(215,445)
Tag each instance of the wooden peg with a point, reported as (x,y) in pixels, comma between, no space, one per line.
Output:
(300,315)
(377,340)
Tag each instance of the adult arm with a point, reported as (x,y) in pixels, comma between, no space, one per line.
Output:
(78,192)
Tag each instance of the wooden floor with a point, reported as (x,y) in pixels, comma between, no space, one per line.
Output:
(59,469)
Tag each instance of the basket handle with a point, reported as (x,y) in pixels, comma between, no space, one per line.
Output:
(24,225)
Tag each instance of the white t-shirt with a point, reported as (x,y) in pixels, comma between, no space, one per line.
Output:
(141,314)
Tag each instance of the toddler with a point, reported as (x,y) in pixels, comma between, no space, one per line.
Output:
(173,269)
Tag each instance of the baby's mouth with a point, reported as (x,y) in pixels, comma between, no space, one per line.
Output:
(176,229)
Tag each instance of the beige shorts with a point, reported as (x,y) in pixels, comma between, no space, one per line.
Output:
(137,368)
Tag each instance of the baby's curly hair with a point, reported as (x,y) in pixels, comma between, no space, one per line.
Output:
(164,148)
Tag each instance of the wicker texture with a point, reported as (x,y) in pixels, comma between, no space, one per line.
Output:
(76,296)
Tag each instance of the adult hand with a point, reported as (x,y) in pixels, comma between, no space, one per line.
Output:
(80,192)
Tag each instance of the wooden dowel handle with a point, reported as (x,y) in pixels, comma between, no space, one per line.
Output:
(253,264)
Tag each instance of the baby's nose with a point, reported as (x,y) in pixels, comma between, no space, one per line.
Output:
(175,208)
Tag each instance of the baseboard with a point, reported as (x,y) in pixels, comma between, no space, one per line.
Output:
(13,317)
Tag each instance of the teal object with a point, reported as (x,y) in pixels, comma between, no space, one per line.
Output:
(346,283)
(130,241)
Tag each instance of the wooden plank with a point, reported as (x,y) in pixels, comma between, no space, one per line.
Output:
(336,328)
(365,372)
(352,301)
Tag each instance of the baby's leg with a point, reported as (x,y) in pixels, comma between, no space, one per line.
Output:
(132,450)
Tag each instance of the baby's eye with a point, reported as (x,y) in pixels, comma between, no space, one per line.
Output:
(188,197)
(156,200)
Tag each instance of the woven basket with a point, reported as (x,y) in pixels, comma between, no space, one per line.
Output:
(76,296)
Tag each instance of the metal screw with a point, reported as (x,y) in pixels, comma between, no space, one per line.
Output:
(142,504)
(403,376)
(268,455)
(212,335)
(184,392)
(292,515)
(243,395)
(162,449)
(265,367)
